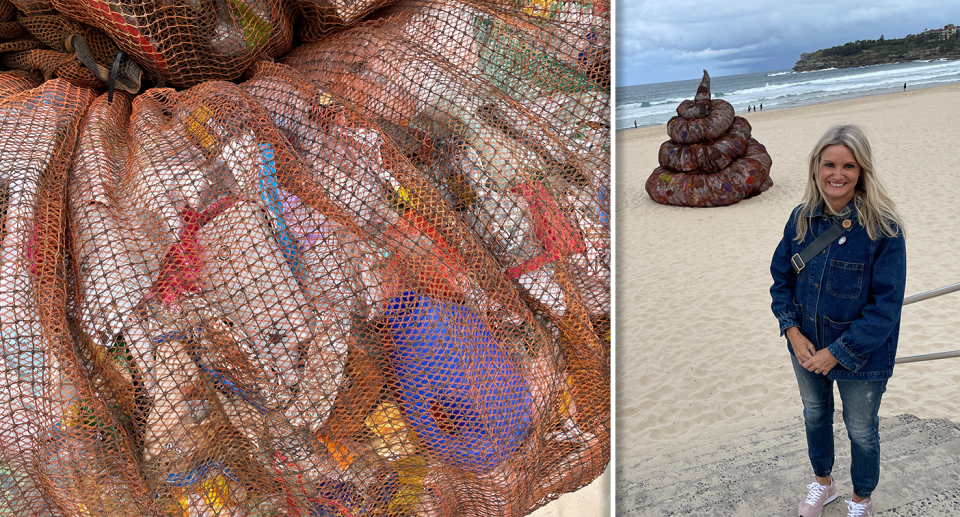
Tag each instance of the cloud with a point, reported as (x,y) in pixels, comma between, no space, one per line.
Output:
(709,53)
(745,61)
(676,38)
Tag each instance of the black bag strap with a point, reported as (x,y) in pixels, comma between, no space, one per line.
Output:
(113,75)
(126,76)
(799,260)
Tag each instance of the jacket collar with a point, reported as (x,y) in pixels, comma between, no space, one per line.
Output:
(818,211)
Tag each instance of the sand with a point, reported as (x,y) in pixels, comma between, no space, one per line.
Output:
(697,346)
(592,500)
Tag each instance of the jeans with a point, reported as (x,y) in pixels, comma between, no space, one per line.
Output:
(861,402)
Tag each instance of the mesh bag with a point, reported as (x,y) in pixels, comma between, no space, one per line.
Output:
(7,10)
(14,82)
(317,18)
(33,7)
(61,442)
(185,43)
(51,45)
(520,141)
(373,282)
(519,155)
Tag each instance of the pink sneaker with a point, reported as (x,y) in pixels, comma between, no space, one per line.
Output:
(861,509)
(817,496)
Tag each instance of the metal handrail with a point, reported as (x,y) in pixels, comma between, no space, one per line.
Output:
(919,298)
(928,357)
(931,294)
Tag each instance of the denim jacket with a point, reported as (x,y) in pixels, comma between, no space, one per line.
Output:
(847,298)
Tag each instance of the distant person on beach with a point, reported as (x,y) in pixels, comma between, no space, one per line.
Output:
(838,284)
(634,124)
(904,86)
(761,106)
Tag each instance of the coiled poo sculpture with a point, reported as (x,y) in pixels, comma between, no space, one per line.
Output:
(710,159)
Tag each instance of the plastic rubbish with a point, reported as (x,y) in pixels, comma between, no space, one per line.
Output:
(477,409)
(114,272)
(249,279)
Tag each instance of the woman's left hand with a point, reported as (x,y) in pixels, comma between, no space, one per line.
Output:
(821,362)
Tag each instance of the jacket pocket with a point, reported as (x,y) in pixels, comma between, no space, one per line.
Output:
(832,330)
(845,279)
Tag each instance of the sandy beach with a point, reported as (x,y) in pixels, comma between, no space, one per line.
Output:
(698,349)
(592,500)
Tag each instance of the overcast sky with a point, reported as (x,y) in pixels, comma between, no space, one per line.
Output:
(672,40)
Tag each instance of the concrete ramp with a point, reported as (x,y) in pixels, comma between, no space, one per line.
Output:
(764,472)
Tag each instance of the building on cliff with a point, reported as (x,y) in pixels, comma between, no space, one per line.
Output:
(947,32)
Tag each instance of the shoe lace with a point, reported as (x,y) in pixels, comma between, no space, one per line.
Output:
(856,509)
(815,490)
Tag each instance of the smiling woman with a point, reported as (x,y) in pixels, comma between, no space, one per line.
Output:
(837,176)
(844,329)
(707,396)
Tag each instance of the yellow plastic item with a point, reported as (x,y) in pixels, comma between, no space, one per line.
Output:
(412,472)
(196,125)
(216,492)
(394,439)
(541,8)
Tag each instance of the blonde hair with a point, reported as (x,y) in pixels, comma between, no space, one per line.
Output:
(876,211)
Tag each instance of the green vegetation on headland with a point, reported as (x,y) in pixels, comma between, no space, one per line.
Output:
(880,51)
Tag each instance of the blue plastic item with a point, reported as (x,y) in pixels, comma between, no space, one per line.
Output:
(459,390)
(198,473)
(604,215)
(270,195)
(221,381)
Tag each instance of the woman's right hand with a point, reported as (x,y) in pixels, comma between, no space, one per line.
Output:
(802,347)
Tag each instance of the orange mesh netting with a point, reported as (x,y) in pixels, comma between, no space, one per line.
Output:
(185,43)
(317,18)
(51,45)
(373,280)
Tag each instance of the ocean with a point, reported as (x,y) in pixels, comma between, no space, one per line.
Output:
(654,104)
